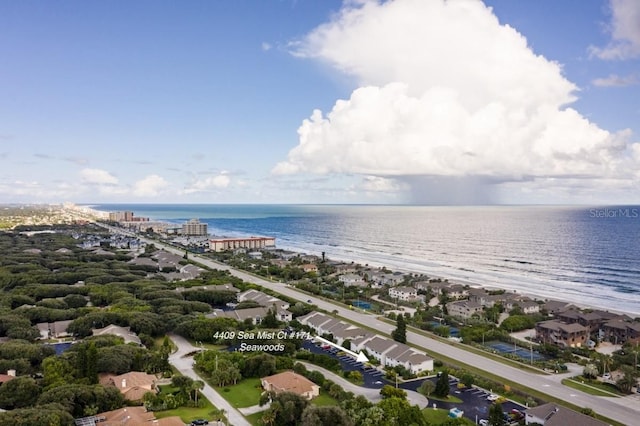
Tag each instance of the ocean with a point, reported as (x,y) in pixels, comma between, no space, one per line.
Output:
(586,255)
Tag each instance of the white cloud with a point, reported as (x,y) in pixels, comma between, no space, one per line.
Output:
(447,91)
(266,46)
(209,183)
(614,80)
(97,177)
(625,31)
(150,186)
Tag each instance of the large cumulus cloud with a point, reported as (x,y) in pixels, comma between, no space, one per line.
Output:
(446,90)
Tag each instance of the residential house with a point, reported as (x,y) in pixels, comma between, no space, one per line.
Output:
(562,334)
(289,381)
(344,268)
(309,268)
(133,385)
(262,299)
(124,332)
(378,347)
(554,307)
(130,416)
(555,415)
(256,315)
(351,280)
(620,330)
(53,330)
(4,378)
(405,294)
(464,309)
(409,358)
(381,278)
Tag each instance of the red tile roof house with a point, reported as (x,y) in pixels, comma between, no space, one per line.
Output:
(291,382)
(133,385)
(4,378)
(129,416)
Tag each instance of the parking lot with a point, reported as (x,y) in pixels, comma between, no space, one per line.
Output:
(475,402)
(373,378)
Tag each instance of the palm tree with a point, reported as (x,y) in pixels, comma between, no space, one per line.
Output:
(196,386)
(590,371)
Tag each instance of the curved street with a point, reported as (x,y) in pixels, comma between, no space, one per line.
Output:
(184,364)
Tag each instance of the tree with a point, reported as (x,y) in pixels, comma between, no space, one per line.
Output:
(287,408)
(427,387)
(196,387)
(57,371)
(496,416)
(588,412)
(326,415)
(389,391)
(184,383)
(590,371)
(270,320)
(18,393)
(442,385)
(467,379)
(628,379)
(400,333)
(398,411)
(50,414)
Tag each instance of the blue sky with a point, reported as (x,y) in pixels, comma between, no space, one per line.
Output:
(232,101)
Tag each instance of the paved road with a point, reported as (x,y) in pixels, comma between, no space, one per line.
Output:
(624,410)
(184,364)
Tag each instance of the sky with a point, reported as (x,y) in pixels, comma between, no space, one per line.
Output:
(306,101)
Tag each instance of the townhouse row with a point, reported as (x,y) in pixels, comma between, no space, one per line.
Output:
(388,352)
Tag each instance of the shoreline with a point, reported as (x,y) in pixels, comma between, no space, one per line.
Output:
(404,267)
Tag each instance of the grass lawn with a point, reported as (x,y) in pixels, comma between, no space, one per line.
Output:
(450,398)
(244,394)
(205,411)
(324,399)
(254,419)
(591,387)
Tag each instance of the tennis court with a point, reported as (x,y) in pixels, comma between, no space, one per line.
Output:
(523,353)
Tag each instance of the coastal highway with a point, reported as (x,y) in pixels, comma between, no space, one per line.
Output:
(625,410)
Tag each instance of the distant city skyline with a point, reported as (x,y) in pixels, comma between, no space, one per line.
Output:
(304,101)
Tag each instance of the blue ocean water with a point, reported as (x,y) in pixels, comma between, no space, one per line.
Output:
(587,255)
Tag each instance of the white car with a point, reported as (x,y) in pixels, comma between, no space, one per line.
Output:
(493,397)
(484,422)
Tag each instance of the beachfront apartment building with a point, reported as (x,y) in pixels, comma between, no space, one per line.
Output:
(352,280)
(224,244)
(381,278)
(562,334)
(194,228)
(405,294)
(620,330)
(464,309)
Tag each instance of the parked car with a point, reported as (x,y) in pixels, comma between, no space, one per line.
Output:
(493,397)
(199,422)
(483,422)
